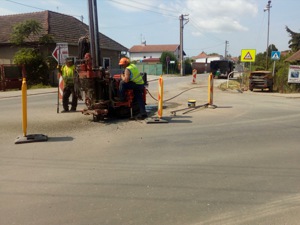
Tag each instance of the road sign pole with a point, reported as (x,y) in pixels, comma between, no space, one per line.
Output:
(58,66)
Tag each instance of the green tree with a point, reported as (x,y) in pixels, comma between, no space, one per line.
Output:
(171,57)
(27,35)
(294,42)
(35,65)
(188,66)
(260,59)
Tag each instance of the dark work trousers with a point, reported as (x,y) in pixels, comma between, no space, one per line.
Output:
(138,91)
(68,90)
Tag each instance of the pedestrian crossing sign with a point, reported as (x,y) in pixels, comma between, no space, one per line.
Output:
(248,55)
(275,55)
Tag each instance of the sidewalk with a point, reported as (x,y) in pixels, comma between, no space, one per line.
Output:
(265,93)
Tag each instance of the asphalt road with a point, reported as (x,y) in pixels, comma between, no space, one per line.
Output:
(235,164)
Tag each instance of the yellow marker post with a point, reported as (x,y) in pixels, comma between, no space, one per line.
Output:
(160,96)
(211,91)
(24,106)
(32,137)
(160,103)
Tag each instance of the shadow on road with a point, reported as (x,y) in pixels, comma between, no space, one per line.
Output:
(59,139)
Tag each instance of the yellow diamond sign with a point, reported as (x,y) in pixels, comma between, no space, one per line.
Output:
(248,55)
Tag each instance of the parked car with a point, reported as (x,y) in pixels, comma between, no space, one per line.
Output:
(10,77)
(261,80)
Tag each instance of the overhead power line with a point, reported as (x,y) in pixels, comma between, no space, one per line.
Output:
(33,7)
(18,3)
(172,11)
(141,8)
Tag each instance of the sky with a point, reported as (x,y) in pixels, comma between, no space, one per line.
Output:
(209,24)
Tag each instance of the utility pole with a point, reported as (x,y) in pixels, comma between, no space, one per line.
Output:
(226,44)
(182,19)
(268,7)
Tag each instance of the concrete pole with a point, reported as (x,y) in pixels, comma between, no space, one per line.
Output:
(181,19)
(268,7)
(181,44)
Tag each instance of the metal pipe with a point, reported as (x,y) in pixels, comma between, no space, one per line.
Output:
(91,31)
(94,34)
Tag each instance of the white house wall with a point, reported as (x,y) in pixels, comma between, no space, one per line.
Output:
(209,59)
(146,55)
(141,56)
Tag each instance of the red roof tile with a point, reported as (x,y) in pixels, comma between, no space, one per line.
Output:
(153,48)
(63,28)
(295,57)
(201,55)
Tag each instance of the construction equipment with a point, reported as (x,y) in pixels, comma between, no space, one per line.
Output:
(99,87)
(222,68)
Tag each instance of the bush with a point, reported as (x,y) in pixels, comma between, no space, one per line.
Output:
(36,68)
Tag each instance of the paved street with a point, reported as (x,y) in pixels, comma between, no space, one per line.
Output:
(235,164)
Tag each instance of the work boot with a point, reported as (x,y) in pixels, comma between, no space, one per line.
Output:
(65,110)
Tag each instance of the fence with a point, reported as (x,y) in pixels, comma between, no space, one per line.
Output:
(151,69)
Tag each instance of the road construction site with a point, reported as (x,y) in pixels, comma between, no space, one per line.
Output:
(237,163)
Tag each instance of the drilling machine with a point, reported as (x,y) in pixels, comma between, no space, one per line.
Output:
(99,87)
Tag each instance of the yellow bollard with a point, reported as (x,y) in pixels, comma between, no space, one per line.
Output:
(160,104)
(160,97)
(211,92)
(31,137)
(210,89)
(24,106)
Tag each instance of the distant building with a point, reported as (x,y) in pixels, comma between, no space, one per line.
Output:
(204,58)
(294,58)
(151,53)
(202,62)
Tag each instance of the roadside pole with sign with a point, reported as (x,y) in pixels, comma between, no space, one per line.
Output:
(168,61)
(60,53)
(248,55)
(275,55)
(172,62)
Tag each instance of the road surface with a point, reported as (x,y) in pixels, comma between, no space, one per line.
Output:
(235,164)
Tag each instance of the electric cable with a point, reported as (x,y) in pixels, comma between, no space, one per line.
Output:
(173,96)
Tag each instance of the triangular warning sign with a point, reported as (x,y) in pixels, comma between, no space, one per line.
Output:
(248,56)
(275,56)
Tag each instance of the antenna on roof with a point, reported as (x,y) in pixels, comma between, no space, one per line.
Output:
(143,40)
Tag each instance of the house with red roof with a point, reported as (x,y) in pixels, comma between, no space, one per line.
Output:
(152,53)
(204,58)
(63,29)
(294,58)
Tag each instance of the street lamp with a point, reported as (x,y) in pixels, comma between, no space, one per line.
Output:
(267,8)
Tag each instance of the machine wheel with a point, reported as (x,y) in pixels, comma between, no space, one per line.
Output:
(96,118)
